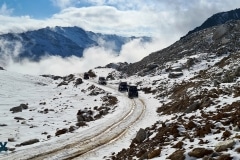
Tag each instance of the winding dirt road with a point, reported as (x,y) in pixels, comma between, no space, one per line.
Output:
(82,143)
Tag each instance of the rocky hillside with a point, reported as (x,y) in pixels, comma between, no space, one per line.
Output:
(199,100)
(217,40)
(217,19)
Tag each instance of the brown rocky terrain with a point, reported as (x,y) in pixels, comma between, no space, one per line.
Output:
(205,107)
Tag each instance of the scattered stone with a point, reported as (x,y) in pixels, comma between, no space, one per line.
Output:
(78,81)
(19,118)
(11,149)
(192,107)
(24,106)
(62,83)
(3,125)
(200,152)
(16,109)
(225,157)
(221,146)
(42,103)
(177,155)
(175,74)
(178,145)
(29,142)
(19,108)
(153,154)
(81,124)
(71,128)
(11,139)
(141,135)
(61,131)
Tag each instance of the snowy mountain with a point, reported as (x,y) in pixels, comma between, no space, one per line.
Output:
(59,41)
(217,19)
(188,106)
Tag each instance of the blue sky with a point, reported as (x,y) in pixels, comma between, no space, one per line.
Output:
(36,9)
(165,19)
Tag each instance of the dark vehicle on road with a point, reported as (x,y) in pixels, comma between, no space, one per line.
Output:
(123,86)
(86,75)
(102,80)
(132,91)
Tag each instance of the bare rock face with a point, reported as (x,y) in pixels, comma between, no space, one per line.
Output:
(221,146)
(220,32)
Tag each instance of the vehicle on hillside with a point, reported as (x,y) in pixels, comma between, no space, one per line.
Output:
(86,75)
(132,91)
(102,80)
(123,86)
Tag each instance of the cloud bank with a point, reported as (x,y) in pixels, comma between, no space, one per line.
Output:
(92,57)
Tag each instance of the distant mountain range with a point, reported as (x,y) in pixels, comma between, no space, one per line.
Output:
(60,41)
(217,19)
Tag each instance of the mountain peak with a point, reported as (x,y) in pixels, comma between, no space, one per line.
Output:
(217,19)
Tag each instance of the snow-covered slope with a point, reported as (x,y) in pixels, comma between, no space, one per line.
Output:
(187,109)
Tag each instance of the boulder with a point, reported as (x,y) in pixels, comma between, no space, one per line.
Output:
(141,135)
(221,146)
(78,81)
(177,155)
(200,152)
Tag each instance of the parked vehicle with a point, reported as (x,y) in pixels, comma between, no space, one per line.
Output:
(123,86)
(132,91)
(86,75)
(102,80)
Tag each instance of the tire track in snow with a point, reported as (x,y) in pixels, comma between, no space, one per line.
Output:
(82,144)
(117,135)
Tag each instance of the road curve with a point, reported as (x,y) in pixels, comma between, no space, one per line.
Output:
(80,144)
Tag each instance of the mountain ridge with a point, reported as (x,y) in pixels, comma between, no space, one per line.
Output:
(217,19)
(60,41)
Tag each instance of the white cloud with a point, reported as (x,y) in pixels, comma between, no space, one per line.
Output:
(92,57)
(4,10)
